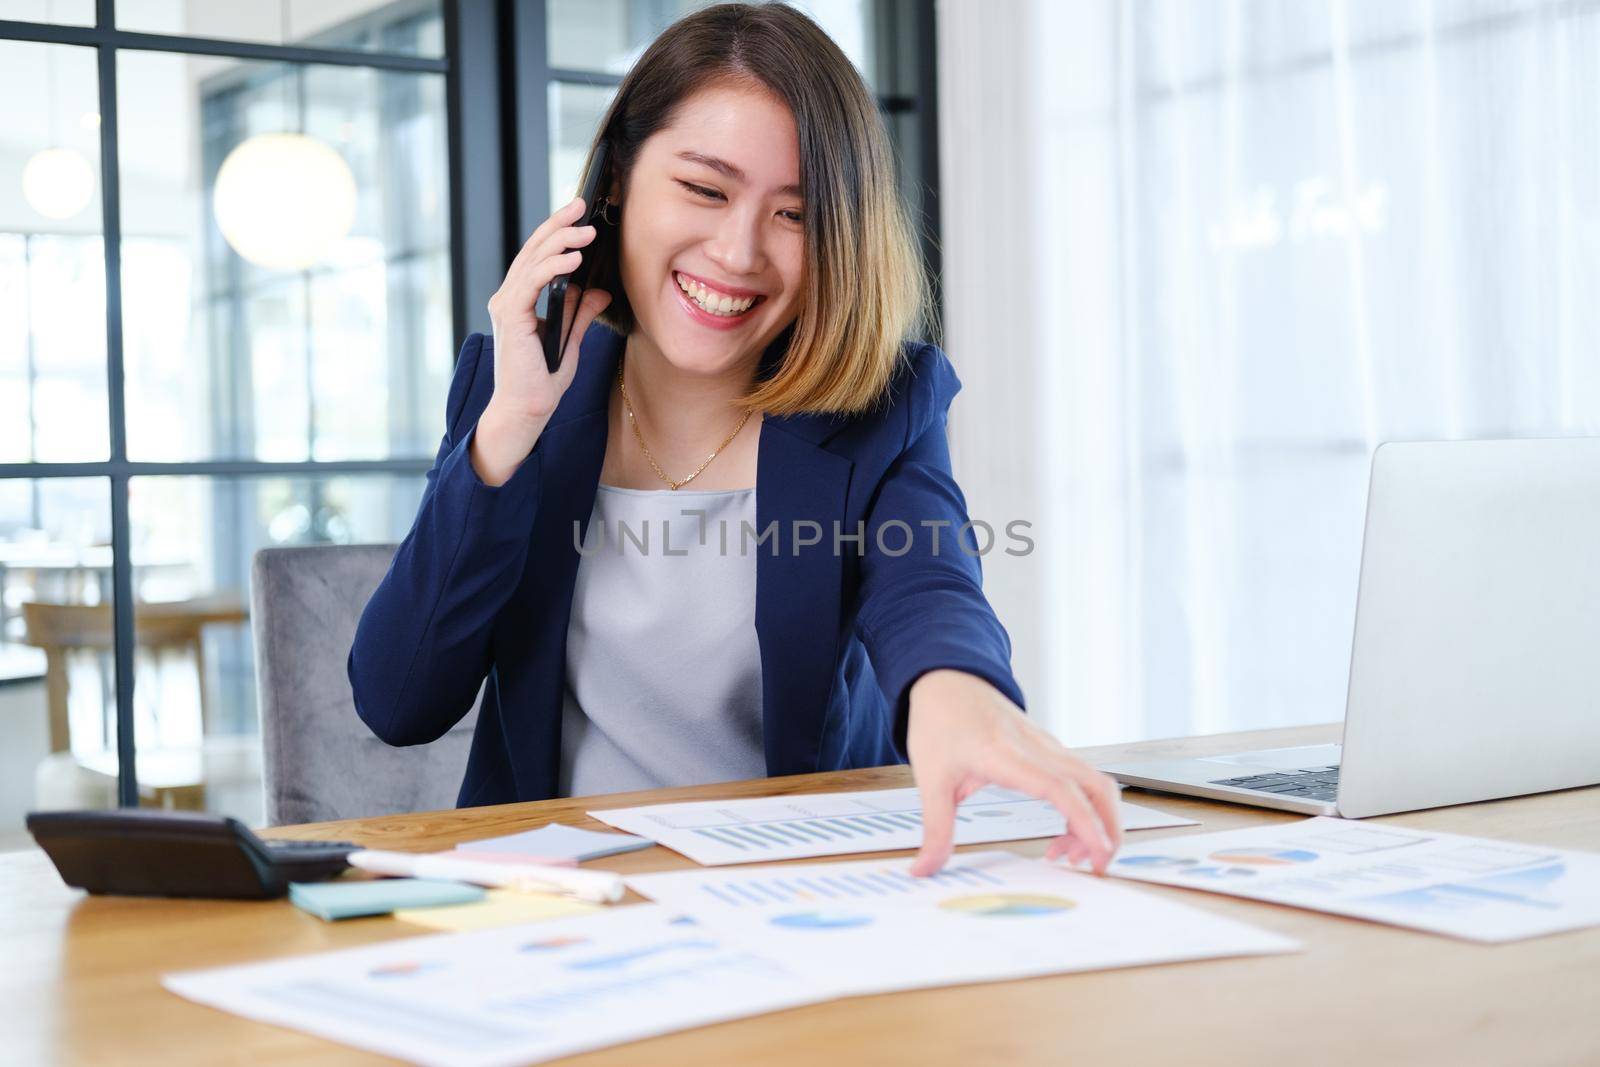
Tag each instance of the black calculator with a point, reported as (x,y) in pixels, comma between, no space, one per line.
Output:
(143,852)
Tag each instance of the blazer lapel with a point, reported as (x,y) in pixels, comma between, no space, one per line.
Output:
(798,596)
(573,444)
(571,451)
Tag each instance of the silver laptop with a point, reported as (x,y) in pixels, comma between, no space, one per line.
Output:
(1475,667)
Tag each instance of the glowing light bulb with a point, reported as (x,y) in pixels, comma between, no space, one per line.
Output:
(58,183)
(282,200)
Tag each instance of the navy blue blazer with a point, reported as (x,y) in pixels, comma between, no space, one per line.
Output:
(482,585)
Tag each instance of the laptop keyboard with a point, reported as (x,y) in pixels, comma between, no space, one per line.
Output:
(1308,783)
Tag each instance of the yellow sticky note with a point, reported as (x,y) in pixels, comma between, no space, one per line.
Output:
(499,907)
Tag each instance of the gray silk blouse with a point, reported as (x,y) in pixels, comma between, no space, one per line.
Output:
(663,680)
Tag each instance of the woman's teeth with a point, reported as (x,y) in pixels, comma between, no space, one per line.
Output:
(715,303)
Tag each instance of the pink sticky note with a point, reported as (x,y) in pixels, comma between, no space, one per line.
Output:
(512,857)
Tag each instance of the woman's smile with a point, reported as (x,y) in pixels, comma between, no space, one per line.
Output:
(711,306)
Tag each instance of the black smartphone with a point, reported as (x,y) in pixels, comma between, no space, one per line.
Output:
(598,260)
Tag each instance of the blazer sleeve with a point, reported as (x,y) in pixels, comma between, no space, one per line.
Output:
(922,610)
(423,645)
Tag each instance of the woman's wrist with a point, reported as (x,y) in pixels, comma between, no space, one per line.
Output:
(501,442)
(938,685)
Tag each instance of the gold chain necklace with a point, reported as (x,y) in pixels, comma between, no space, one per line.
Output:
(637,436)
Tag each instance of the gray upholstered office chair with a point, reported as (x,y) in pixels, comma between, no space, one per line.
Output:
(320,762)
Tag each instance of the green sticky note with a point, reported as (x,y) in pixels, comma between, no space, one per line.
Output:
(377,896)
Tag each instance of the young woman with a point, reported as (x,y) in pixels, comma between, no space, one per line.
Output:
(742,381)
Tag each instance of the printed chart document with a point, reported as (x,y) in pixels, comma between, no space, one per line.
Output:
(717,832)
(513,995)
(731,944)
(868,926)
(1468,887)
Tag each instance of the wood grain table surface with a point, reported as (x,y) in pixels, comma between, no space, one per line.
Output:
(80,975)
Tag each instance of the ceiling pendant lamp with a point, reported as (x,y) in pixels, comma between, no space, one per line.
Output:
(282,200)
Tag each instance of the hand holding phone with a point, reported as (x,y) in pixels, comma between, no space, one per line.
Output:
(526,388)
(559,326)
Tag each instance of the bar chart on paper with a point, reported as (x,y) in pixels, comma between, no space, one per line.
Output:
(842,885)
(719,832)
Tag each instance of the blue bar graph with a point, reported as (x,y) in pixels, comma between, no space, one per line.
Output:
(836,829)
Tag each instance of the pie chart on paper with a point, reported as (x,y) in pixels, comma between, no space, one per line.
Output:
(1008,905)
(821,920)
(1264,857)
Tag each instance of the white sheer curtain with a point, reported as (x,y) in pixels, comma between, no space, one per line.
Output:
(1202,256)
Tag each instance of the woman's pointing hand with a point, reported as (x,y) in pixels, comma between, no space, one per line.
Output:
(965,734)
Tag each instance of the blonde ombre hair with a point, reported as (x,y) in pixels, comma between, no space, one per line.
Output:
(866,291)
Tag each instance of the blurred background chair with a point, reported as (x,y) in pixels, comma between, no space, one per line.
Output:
(320,761)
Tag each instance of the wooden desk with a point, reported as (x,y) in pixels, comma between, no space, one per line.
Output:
(79,976)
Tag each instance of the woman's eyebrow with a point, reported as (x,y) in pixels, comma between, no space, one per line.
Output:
(728,170)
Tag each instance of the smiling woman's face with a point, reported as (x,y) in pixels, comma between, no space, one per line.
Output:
(713,204)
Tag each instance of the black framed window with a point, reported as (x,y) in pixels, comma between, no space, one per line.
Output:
(189,373)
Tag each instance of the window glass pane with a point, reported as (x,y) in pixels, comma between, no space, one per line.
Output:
(608,35)
(57,683)
(16,398)
(52,266)
(575,114)
(58,12)
(407,27)
(257,324)
(193,542)
(849,23)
